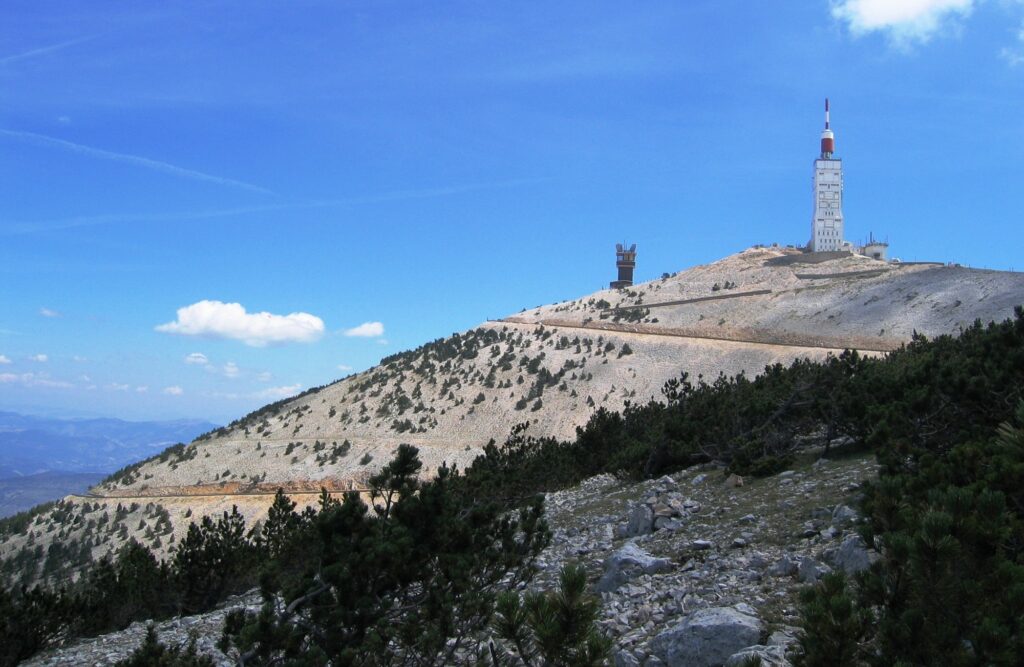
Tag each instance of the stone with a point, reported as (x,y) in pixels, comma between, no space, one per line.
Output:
(665,523)
(843,514)
(821,513)
(771,656)
(785,637)
(707,637)
(701,545)
(663,510)
(626,659)
(852,555)
(784,567)
(627,563)
(640,521)
(739,543)
(699,479)
(810,570)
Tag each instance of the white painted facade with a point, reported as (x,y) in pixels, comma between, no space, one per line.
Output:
(827,222)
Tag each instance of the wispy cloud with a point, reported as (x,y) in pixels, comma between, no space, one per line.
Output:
(41,358)
(33,380)
(127,158)
(4,359)
(904,21)
(47,312)
(279,392)
(1014,55)
(216,319)
(276,393)
(44,50)
(19,227)
(197,359)
(366,330)
(174,391)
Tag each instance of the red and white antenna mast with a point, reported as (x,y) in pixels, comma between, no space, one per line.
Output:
(828,139)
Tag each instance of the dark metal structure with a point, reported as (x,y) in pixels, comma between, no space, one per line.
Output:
(625,260)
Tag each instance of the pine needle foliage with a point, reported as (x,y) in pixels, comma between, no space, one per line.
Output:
(550,628)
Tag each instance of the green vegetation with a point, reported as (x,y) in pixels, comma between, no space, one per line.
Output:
(420,572)
(552,628)
(414,578)
(950,586)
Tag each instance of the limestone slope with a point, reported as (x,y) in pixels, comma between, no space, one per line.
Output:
(550,367)
(554,365)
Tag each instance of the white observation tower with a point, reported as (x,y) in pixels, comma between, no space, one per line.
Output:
(827,223)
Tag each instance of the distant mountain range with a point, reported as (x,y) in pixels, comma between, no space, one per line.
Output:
(18,494)
(42,458)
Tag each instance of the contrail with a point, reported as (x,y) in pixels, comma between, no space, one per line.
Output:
(43,50)
(126,158)
(20,227)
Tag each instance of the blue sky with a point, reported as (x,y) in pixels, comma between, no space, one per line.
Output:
(403,170)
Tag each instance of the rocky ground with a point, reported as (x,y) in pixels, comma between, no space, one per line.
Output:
(692,569)
(684,564)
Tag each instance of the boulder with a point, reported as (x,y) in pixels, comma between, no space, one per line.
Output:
(707,638)
(843,514)
(852,555)
(639,522)
(810,570)
(771,656)
(626,659)
(665,523)
(784,567)
(628,562)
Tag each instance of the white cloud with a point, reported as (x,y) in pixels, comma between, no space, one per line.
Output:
(215,319)
(905,21)
(174,391)
(1015,55)
(270,393)
(366,330)
(47,312)
(79,359)
(344,368)
(265,376)
(230,370)
(116,386)
(141,389)
(4,359)
(41,358)
(197,359)
(278,392)
(33,380)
